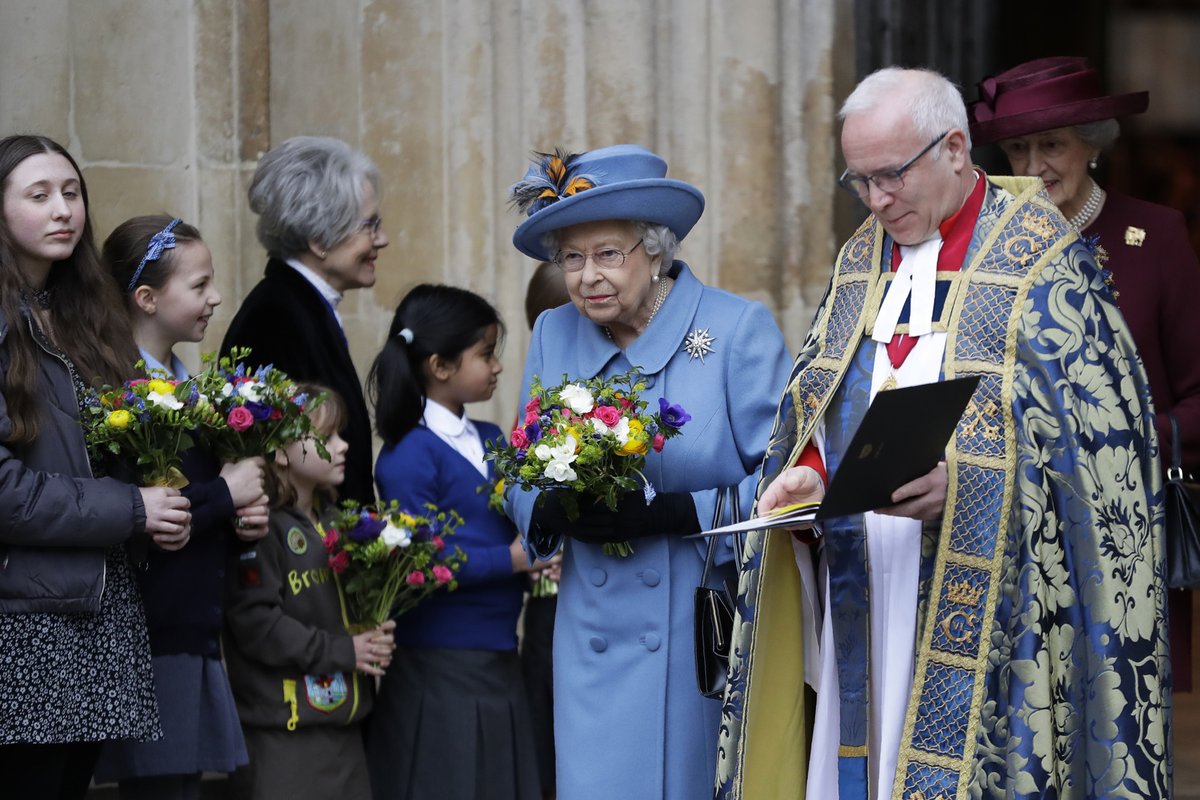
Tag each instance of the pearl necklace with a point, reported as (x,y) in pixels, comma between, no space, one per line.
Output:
(1089,208)
(658,301)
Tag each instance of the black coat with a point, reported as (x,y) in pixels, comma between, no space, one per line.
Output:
(56,520)
(285,322)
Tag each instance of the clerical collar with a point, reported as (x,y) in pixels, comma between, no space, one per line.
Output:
(331,295)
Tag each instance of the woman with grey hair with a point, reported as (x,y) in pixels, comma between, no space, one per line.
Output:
(1052,121)
(317,201)
(628,718)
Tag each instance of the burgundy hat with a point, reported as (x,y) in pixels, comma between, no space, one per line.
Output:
(1044,94)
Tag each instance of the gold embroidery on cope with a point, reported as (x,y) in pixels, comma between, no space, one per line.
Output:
(977,417)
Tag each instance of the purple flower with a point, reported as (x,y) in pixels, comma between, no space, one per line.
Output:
(533,431)
(672,415)
(261,411)
(422,533)
(366,529)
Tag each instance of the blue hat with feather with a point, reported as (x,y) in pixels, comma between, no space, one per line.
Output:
(622,182)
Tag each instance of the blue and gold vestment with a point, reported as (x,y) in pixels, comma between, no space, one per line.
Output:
(1041,655)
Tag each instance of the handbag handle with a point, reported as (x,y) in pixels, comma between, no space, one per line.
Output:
(730,494)
(1175,471)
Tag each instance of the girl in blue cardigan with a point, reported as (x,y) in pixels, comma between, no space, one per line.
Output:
(453,693)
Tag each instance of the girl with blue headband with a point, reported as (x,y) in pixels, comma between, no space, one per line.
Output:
(166,273)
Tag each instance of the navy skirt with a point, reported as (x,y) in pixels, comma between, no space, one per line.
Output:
(452,724)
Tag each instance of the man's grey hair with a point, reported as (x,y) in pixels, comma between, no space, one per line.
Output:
(936,104)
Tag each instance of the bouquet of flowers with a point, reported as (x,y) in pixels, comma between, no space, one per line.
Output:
(388,560)
(252,412)
(148,422)
(587,439)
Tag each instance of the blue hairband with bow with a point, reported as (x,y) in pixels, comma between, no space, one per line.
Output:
(163,240)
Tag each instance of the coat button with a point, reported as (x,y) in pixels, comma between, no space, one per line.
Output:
(651,577)
(651,641)
(598,644)
(598,576)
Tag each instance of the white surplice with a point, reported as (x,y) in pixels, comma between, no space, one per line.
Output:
(894,560)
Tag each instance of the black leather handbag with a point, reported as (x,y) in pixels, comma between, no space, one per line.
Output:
(1182,500)
(714,608)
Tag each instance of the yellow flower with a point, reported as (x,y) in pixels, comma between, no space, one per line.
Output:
(633,447)
(119,419)
(636,427)
(160,386)
(406,520)
(499,487)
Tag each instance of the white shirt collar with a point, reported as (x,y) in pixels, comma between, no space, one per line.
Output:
(443,421)
(331,295)
(457,431)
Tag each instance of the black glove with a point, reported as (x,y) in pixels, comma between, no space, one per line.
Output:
(670,513)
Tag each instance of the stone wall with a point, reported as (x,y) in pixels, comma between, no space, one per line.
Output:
(168,103)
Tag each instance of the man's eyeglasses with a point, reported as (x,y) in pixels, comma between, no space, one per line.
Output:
(371,225)
(891,180)
(605,258)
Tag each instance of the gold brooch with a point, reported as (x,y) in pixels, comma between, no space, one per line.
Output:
(1134,237)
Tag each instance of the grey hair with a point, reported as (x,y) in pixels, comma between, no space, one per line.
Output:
(656,240)
(309,188)
(936,104)
(1100,134)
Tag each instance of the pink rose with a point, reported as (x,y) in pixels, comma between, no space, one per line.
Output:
(442,574)
(416,578)
(331,540)
(240,418)
(608,415)
(519,439)
(531,417)
(658,442)
(439,544)
(339,562)
(534,406)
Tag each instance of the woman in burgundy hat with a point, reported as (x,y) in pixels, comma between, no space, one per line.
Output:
(1052,120)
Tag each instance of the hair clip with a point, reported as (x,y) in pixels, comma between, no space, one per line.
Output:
(163,240)
(406,334)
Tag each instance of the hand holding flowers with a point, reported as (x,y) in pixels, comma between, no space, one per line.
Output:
(587,441)
(388,560)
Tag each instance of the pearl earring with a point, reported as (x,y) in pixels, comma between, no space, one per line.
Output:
(324,253)
(654,278)
(1093,163)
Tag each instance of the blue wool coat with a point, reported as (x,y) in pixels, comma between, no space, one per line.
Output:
(629,721)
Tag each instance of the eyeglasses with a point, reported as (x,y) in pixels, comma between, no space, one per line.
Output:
(890,180)
(371,225)
(605,258)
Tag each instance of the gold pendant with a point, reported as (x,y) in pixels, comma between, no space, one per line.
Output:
(890,383)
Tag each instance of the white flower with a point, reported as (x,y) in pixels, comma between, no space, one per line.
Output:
(251,390)
(621,430)
(167,400)
(564,452)
(560,471)
(227,390)
(598,426)
(542,452)
(395,537)
(577,398)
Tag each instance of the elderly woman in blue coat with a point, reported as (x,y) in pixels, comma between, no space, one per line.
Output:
(629,720)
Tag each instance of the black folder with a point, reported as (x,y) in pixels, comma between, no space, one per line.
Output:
(902,436)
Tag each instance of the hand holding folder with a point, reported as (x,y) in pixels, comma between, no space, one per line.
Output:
(902,436)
